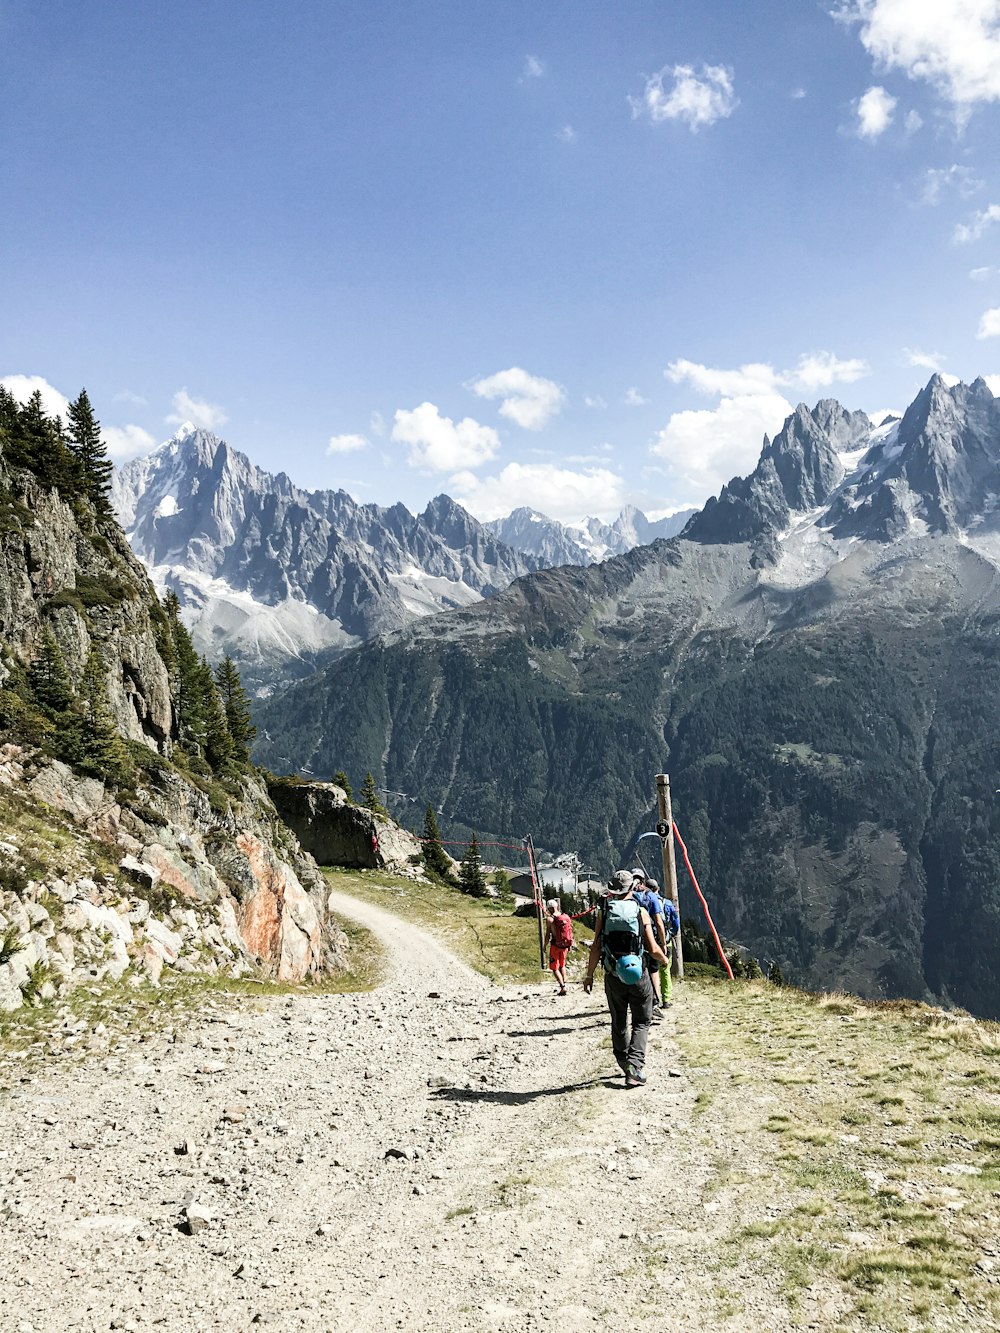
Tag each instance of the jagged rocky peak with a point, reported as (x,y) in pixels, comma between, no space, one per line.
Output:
(937,469)
(806,451)
(798,471)
(280,577)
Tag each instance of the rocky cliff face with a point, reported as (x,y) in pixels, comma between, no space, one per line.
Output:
(280,577)
(93,887)
(92,592)
(213,860)
(814,660)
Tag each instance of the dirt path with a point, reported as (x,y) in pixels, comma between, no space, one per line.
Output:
(534,1191)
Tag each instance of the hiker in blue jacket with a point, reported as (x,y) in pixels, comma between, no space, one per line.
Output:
(623,941)
(646,893)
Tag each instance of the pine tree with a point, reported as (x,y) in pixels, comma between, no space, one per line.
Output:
(220,751)
(435,857)
(93,742)
(501,882)
(342,780)
(48,676)
(95,466)
(470,873)
(187,683)
(369,797)
(237,705)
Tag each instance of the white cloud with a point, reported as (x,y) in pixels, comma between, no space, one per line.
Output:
(818,370)
(954,45)
(749,379)
(533,68)
(125,442)
(633,398)
(528,400)
(346,444)
(567,134)
(989,324)
(981,222)
(993,383)
(797,94)
(874,108)
(562,493)
(939,179)
(697,99)
(814,370)
(205,415)
(878,415)
(984,274)
(376,424)
(440,444)
(133,399)
(932,361)
(706,447)
(23,386)
(595,401)
(913,121)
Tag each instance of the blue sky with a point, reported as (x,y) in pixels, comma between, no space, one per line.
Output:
(567,254)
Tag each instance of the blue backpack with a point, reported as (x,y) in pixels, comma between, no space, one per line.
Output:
(621,932)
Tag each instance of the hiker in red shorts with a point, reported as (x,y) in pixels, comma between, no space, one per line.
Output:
(559,938)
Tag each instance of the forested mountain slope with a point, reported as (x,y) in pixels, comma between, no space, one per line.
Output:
(816,660)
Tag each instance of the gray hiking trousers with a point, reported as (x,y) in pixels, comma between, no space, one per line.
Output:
(625,1001)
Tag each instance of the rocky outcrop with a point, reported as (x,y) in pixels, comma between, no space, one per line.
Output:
(91,592)
(189,889)
(338,833)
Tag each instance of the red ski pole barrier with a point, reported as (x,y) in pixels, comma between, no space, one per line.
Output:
(708,915)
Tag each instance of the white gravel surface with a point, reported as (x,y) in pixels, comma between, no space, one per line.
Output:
(528,1188)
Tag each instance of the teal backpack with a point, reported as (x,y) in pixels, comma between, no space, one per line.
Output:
(621,932)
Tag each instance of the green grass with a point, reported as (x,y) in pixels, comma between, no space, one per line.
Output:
(484,933)
(848,1146)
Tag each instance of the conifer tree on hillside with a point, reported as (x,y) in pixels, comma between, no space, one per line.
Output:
(342,780)
(48,677)
(95,466)
(220,752)
(369,797)
(237,707)
(96,746)
(435,857)
(470,873)
(39,444)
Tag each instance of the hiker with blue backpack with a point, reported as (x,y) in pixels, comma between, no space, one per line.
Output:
(623,943)
(666,923)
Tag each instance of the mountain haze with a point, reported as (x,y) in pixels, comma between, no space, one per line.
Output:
(583,543)
(815,659)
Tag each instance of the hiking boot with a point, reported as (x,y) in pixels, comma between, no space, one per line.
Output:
(635,1078)
(657,1017)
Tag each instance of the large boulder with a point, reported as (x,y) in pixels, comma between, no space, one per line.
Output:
(337,833)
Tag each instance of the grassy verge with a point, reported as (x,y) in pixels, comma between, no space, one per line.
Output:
(483,932)
(867,1176)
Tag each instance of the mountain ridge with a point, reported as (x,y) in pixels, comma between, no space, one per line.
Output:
(803,659)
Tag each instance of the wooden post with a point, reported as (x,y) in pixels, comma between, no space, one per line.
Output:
(539,906)
(665,828)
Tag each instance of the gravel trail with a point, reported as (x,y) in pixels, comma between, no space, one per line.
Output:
(531,1190)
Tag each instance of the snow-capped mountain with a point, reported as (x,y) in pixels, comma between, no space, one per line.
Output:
(281,577)
(816,659)
(586,542)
